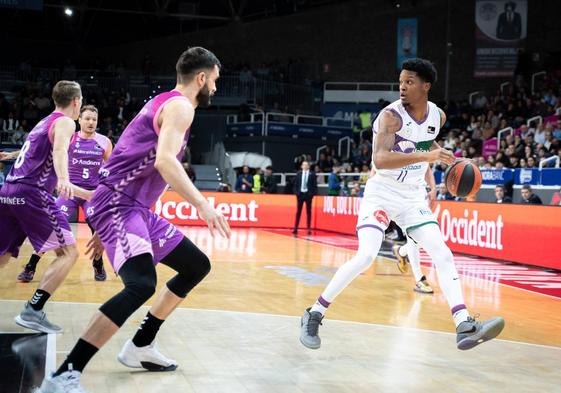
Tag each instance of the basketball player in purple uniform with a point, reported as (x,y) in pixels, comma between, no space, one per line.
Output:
(146,159)
(28,209)
(88,150)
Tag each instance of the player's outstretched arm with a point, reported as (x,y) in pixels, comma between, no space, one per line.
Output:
(9,155)
(385,158)
(177,117)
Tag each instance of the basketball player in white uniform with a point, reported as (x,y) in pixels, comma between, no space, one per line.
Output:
(404,146)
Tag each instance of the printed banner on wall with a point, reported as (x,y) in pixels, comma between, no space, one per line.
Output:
(406,39)
(500,32)
(518,233)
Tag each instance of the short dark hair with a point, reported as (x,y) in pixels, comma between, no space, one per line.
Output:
(424,69)
(90,108)
(269,168)
(65,91)
(527,187)
(194,60)
(501,186)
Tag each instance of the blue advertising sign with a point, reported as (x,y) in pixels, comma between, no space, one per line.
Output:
(34,5)
(406,39)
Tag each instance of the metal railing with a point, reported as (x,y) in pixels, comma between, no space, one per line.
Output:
(534,76)
(323,175)
(531,119)
(319,150)
(471,95)
(349,141)
(549,159)
(510,131)
(503,85)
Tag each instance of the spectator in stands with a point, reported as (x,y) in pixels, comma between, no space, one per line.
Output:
(43,104)
(556,198)
(550,143)
(500,196)
(539,134)
(334,182)
(557,130)
(10,125)
(257,181)
(522,163)
(356,191)
(531,161)
(364,174)
(2,175)
(4,108)
(269,183)
(443,194)
(305,188)
(528,196)
(19,137)
(244,183)
(320,178)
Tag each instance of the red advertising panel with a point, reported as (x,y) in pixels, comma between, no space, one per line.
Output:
(526,234)
(241,210)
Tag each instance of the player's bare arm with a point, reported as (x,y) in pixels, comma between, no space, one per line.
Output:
(385,158)
(63,131)
(108,152)
(9,155)
(176,118)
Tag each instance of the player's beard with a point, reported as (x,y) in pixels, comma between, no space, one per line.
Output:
(203,98)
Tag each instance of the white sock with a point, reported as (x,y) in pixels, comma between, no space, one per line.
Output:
(402,250)
(320,306)
(430,238)
(414,259)
(369,242)
(460,316)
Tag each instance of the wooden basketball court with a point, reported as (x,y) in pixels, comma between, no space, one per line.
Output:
(238,331)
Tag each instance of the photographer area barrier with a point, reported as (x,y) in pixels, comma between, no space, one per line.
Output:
(517,233)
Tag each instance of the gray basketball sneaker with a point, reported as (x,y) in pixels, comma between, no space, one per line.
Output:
(309,326)
(36,320)
(472,333)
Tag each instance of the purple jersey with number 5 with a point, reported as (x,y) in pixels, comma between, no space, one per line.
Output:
(85,157)
(34,165)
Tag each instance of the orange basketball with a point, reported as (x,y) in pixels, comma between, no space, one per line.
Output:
(463,178)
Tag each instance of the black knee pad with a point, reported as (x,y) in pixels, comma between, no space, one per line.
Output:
(191,264)
(182,283)
(139,276)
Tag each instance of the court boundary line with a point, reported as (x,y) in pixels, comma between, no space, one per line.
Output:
(50,356)
(378,325)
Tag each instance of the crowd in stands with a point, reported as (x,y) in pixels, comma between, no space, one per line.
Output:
(20,113)
(467,129)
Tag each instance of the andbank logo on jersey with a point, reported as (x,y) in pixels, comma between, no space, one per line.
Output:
(470,229)
(183,210)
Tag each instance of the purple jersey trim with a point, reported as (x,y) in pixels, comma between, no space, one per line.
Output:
(398,115)
(457,308)
(370,226)
(424,119)
(52,125)
(159,110)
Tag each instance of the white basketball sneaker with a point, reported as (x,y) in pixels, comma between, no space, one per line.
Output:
(67,382)
(147,357)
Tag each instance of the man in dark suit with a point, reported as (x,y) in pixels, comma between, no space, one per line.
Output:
(305,187)
(529,197)
(509,25)
(500,196)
